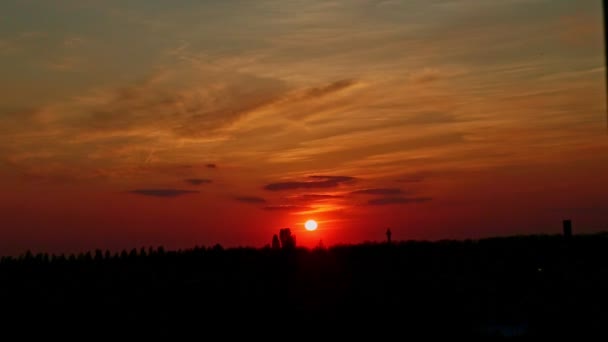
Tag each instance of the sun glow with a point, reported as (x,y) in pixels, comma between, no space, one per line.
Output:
(310,225)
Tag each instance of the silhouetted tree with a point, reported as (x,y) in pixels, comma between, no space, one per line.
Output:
(60,258)
(276,244)
(388,235)
(39,258)
(320,245)
(288,241)
(98,255)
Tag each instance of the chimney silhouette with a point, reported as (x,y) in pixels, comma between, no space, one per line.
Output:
(567,226)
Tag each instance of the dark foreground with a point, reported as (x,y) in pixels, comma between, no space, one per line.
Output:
(537,285)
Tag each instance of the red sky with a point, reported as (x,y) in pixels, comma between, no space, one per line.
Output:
(144,124)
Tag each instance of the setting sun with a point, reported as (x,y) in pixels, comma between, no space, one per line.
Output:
(310,225)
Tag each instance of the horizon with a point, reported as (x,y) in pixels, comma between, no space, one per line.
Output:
(149,124)
(319,246)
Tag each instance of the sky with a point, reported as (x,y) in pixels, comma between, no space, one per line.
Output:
(179,123)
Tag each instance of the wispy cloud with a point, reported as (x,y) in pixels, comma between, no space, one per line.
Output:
(20,42)
(194,111)
(333,87)
(66,63)
(415,177)
(580,29)
(73,41)
(425,75)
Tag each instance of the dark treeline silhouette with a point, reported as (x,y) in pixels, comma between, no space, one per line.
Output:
(546,286)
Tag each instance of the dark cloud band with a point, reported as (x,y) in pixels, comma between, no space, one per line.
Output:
(286,207)
(312,183)
(250,199)
(197,181)
(162,192)
(378,191)
(397,200)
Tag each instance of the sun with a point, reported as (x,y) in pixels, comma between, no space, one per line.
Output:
(310,225)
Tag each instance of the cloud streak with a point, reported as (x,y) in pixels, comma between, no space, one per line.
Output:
(250,199)
(166,193)
(378,191)
(312,183)
(286,207)
(198,181)
(315,197)
(329,89)
(416,177)
(398,200)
